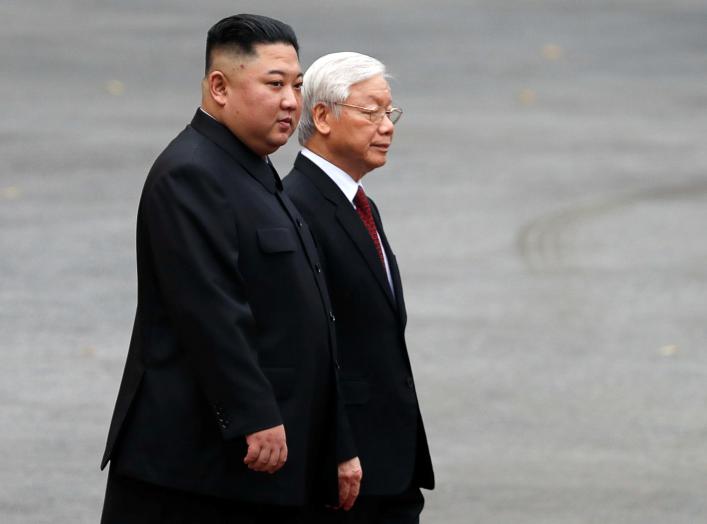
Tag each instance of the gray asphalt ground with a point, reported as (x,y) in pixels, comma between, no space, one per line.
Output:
(546,196)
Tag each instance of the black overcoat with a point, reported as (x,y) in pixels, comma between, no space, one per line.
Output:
(233,331)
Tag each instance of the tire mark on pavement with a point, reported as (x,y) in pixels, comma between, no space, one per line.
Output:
(541,242)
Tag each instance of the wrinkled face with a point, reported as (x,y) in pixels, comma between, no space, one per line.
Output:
(263,99)
(357,144)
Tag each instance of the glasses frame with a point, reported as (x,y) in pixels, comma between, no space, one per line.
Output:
(393,114)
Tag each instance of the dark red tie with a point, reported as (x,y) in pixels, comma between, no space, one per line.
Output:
(363,208)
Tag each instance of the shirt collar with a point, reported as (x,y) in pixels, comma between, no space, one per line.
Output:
(206,112)
(341,178)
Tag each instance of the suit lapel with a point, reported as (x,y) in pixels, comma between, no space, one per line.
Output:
(350,222)
(394,269)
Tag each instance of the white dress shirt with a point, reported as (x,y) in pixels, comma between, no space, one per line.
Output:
(348,187)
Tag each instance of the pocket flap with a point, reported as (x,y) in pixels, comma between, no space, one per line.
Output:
(276,240)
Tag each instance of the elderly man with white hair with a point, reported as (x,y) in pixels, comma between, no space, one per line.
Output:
(347,128)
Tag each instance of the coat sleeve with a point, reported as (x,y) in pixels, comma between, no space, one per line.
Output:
(194,246)
(345,444)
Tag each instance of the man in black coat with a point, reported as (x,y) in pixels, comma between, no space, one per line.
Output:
(347,128)
(227,405)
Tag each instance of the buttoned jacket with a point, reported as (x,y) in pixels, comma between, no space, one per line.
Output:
(233,331)
(376,377)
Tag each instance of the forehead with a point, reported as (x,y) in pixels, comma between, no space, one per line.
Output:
(274,57)
(375,88)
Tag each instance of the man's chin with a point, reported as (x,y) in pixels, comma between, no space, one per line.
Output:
(279,140)
(377,162)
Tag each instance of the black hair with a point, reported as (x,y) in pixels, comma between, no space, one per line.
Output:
(241,33)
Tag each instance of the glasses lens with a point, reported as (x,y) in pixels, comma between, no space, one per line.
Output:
(395,115)
(376,116)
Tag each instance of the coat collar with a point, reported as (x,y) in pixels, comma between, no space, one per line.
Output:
(319,178)
(341,178)
(216,132)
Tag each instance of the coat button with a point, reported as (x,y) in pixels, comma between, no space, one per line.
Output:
(409,382)
(298,221)
(317,268)
(332,317)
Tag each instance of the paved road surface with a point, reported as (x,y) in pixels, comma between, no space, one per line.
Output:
(546,195)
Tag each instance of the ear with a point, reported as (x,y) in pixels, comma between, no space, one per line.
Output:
(217,85)
(321,116)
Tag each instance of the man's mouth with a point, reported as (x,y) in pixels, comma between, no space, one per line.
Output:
(287,121)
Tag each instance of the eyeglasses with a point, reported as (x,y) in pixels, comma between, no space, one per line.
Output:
(376,115)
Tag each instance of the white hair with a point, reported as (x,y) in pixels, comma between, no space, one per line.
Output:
(328,81)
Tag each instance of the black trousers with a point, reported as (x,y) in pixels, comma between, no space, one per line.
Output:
(394,509)
(130,501)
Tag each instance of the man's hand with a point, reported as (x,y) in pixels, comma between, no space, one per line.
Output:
(350,475)
(267,449)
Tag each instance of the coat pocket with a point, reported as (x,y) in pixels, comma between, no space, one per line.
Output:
(282,381)
(276,240)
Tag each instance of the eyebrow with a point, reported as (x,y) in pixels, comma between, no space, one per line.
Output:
(376,100)
(283,73)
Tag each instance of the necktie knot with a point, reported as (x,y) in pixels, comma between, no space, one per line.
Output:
(360,200)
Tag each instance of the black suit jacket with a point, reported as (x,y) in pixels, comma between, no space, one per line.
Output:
(233,331)
(377,384)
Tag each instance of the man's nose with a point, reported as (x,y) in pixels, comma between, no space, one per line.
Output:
(290,98)
(386,125)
